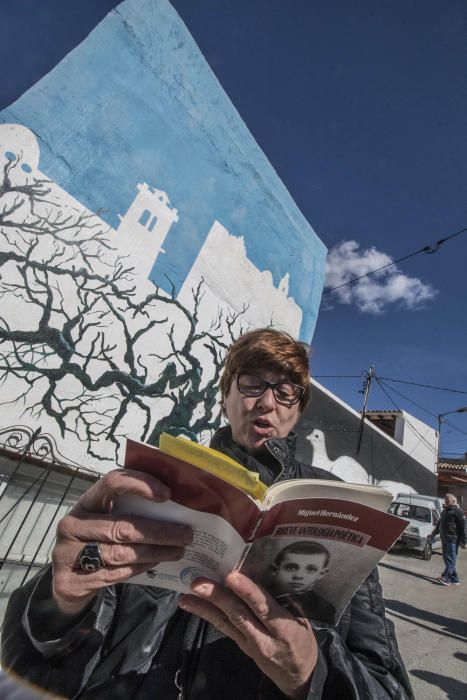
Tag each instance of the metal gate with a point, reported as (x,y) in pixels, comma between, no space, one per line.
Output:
(34,494)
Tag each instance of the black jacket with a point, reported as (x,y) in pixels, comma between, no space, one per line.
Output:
(133,639)
(451,525)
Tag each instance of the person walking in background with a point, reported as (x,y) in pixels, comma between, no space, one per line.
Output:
(451,529)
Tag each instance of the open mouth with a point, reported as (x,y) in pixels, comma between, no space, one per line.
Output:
(263,427)
(262,423)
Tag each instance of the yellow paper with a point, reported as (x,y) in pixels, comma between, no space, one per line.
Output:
(214,462)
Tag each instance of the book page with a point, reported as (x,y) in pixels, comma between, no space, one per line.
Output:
(195,488)
(222,516)
(373,496)
(214,552)
(312,554)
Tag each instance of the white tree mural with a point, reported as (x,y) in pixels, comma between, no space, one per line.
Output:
(85,346)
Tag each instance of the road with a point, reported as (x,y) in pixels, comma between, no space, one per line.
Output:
(431,623)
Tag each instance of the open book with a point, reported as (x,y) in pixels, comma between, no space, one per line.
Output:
(309,542)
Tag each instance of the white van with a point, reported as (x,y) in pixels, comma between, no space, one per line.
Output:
(422,513)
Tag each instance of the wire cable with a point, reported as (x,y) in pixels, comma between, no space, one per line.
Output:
(421,437)
(390,379)
(434,415)
(425,386)
(429,249)
(422,408)
(337,376)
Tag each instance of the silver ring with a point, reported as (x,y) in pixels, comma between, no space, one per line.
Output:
(90,558)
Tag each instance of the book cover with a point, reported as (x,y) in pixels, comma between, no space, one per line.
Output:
(309,542)
(312,554)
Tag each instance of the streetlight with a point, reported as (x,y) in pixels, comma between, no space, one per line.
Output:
(463,409)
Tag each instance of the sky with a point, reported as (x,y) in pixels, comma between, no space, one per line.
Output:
(361,109)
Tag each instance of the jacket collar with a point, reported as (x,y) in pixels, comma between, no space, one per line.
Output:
(279,457)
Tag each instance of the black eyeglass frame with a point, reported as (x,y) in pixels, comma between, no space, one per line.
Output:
(271,385)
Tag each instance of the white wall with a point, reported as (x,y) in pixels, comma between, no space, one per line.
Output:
(418,439)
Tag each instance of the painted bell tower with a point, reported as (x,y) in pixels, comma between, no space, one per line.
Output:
(143,229)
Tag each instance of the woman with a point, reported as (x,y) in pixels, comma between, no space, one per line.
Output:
(85,633)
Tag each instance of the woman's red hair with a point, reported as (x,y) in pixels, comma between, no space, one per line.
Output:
(270,350)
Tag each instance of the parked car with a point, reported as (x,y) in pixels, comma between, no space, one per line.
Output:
(422,514)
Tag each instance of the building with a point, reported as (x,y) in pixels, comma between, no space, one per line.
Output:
(422,442)
(391,449)
(452,477)
(418,439)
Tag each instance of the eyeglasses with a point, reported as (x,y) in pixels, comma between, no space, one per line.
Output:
(285,393)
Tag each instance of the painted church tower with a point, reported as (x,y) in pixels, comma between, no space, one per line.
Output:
(143,229)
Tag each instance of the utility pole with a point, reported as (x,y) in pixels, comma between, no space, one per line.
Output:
(365,390)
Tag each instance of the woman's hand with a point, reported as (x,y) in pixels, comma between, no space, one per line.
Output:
(129,545)
(282,646)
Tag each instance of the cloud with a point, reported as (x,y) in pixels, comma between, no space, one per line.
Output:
(373,294)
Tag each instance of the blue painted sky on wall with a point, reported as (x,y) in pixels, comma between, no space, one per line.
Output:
(136,102)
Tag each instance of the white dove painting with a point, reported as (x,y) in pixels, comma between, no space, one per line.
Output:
(347,468)
(330,430)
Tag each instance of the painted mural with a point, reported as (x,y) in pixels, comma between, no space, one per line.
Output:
(329,437)
(141,230)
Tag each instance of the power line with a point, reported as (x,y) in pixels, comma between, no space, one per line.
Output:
(421,437)
(429,249)
(454,427)
(426,386)
(337,376)
(451,425)
(414,430)
(422,408)
(381,380)
(389,379)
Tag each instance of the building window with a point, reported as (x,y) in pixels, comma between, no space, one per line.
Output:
(144,218)
(153,223)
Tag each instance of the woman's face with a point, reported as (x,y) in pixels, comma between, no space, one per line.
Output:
(256,419)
